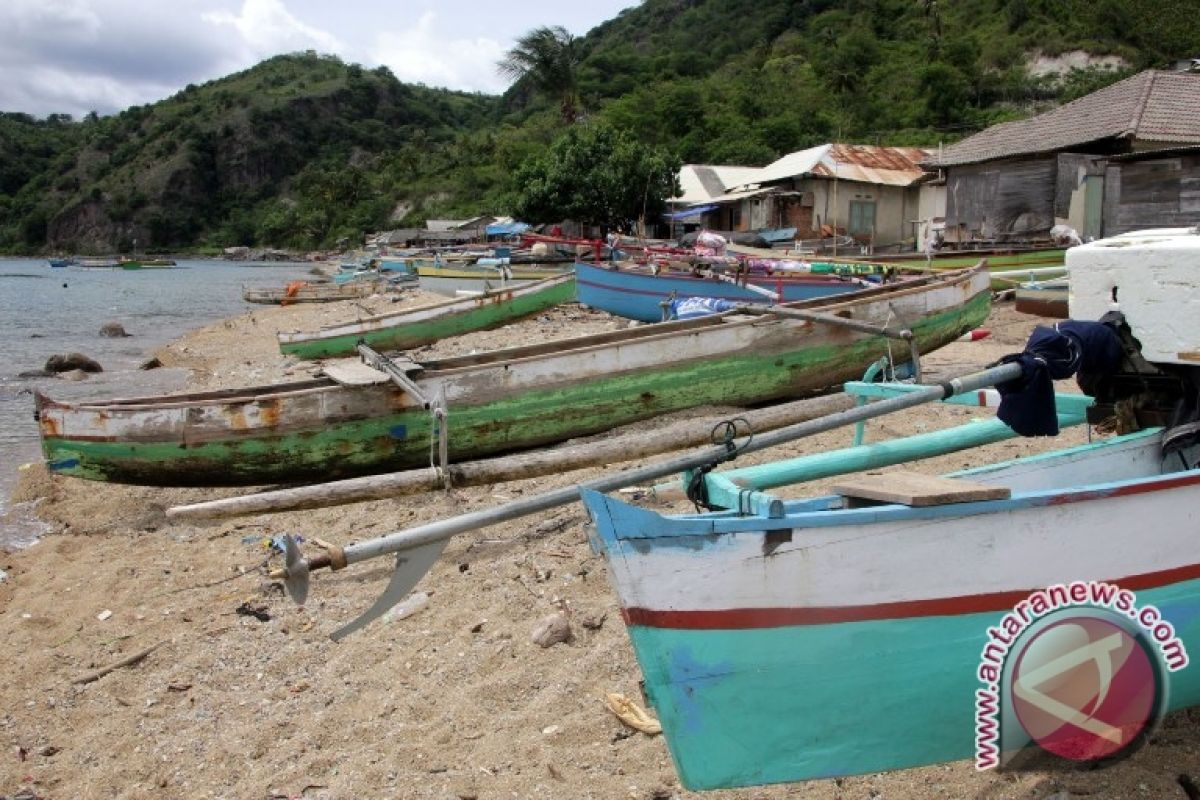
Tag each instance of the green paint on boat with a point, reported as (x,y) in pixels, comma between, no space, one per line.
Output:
(348,447)
(415,334)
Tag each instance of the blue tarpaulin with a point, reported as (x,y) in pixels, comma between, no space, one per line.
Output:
(691,212)
(778,234)
(506,228)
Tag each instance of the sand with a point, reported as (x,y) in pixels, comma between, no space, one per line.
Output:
(455,701)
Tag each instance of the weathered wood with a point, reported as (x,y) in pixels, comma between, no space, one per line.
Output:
(916,489)
(353,372)
(96,675)
(688,433)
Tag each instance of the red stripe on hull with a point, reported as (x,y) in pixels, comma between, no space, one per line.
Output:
(746,618)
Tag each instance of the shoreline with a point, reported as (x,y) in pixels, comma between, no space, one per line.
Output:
(454,701)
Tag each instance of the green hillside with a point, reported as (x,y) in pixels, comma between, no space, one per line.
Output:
(304,150)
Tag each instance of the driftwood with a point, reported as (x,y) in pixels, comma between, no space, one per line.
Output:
(124,662)
(684,434)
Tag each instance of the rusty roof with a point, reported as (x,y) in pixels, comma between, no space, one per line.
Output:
(891,166)
(1152,106)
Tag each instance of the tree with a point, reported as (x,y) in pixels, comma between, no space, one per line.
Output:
(547,59)
(597,175)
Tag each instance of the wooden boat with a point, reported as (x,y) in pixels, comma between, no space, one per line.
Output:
(418,326)
(837,635)
(305,292)
(641,292)
(1043,300)
(147,263)
(455,280)
(59,263)
(496,401)
(98,263)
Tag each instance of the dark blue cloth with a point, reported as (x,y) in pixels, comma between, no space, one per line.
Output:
(1069,348)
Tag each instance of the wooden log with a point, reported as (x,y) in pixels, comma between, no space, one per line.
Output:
(628,447)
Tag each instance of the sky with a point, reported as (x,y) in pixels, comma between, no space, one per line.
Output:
(76,56)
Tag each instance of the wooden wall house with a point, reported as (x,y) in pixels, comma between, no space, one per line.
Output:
(1014,181)
(1156,189)
(868,192)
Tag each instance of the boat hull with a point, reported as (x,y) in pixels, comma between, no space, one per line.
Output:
(453,281)
(499,401)
(835,642)
(641,295)
(313,293)
(420,326)
(1051,302)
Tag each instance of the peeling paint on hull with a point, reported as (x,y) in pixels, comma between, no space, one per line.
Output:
(320,431)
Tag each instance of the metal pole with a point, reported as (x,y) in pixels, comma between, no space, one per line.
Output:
(444,529)
(384,364)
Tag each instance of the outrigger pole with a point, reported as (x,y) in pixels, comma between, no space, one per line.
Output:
(418,548)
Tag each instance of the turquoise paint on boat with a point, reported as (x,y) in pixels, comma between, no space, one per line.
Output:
(855,697)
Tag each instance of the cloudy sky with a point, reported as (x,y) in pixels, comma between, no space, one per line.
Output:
(75,56)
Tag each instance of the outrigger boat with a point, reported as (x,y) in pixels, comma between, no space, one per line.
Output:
(308,292)
(642,291)
(480,277)
(414,327)
(354,421)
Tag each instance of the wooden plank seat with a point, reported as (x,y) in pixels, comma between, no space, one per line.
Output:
(914,489)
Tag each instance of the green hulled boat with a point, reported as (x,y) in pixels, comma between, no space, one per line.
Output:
(353,422)
(418,326)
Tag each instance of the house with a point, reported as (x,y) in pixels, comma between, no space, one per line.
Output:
(1014,181)
(868,192)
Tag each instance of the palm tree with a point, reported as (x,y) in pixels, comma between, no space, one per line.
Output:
(546,58)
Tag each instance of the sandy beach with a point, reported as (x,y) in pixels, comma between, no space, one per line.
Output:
(244,696)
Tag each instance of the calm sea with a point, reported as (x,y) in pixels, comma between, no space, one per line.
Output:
(44,311)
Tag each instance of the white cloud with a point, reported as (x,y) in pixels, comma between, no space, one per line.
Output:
(266,28)
(426,54)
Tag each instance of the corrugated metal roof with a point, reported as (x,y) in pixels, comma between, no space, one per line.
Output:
(742,194)
(700,182)
(888,166)
(1152,106)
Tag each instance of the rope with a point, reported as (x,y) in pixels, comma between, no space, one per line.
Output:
(723,433)
(439,441)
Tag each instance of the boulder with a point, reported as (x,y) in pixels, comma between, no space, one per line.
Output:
(151,363)
(113,330)
(70,361)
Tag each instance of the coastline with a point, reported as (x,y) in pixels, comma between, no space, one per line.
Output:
(454,701)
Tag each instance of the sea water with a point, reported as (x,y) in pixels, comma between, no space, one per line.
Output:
(46,311)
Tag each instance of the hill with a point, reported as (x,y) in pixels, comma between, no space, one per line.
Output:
(295,151)
(304,150)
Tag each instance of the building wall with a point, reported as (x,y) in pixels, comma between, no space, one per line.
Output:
(1157,193)
(931,211)
(1001,200)
(895,207)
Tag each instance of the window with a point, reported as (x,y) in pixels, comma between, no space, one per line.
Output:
(862,218)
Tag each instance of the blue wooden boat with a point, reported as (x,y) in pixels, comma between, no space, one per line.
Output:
(640,292)
(59,263)
(789,640)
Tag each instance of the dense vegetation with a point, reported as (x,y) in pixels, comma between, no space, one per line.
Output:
(304,150)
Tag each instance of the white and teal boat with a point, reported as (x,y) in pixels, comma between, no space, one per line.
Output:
(815,638)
